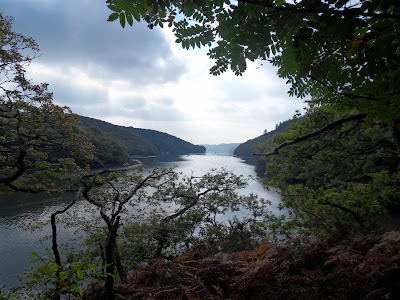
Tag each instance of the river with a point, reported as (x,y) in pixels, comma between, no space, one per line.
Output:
(19,212)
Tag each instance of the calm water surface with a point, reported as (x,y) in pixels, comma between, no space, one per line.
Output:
(18,211)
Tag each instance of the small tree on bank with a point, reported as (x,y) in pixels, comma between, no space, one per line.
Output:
(162,214)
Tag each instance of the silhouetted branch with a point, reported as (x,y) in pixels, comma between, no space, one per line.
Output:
(344,12)
(330,126)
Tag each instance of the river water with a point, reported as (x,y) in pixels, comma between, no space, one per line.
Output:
(19,213)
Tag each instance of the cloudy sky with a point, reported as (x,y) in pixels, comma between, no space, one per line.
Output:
(139,77)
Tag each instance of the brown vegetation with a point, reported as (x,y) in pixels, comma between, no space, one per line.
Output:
(363,268)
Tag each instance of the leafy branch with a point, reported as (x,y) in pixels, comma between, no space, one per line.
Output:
(330,126)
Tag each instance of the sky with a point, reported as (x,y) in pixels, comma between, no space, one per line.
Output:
(140,77)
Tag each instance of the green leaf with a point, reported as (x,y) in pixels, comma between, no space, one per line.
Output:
(122,19)
(114,8)
(129,19)
(36,278)
(136,14)
(54,268)
(113,17)
(80,274)
(35,254)
(91,267)
(76,289)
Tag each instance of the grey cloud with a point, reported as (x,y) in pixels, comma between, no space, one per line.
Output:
(154,113)
(72,95)
(132,103)
(76,33)
(166,101)
(135,108)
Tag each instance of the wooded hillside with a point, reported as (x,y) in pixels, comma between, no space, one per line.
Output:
(115,143)
(248,148)
(166,143)
(136,145)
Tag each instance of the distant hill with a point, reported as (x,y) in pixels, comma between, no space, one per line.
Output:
(115,143)
(109,150)
(248,147)
(136,145)
(166,143)
(221,148)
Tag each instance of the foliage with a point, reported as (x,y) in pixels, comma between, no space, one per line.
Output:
(161,214)
(249,147)
(48,280)
(135,144)
(345,54)
(109,150)
(166,143)
(338,181)
(51,280)
(143,141)
(38,139)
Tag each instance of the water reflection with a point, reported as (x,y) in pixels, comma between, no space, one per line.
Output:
(20,205)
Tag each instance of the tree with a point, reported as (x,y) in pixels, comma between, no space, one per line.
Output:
(112,194)
(38,139)
(159,214)
(198,202)
(335,175)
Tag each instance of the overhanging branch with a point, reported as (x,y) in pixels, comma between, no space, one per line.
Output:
(19,172)
(355,12)
(330,126)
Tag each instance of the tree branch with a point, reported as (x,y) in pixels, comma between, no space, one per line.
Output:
(330,126)
(54,227)
(351,96)
(21,169)
(355,215)
(349,12)
(340,136)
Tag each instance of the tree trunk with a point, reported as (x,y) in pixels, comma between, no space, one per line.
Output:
(54,247)
(110,261)
(118,264)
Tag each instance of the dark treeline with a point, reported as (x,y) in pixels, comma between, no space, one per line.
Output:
(115,144)
(249,148)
